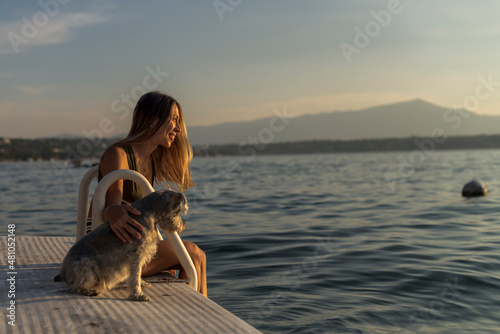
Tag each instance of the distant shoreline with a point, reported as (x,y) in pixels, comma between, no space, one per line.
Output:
(355,146)
(78,149)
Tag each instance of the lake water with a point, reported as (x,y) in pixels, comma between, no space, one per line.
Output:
(322,243)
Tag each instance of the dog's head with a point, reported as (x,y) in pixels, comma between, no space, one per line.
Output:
(172,205)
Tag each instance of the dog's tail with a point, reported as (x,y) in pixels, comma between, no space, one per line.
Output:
(58,278)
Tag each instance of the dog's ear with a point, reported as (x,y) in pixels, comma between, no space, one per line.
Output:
(177,199)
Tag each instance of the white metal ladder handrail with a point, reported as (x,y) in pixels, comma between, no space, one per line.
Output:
(98,204)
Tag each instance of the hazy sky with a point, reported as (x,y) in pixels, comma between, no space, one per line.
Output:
(67,65)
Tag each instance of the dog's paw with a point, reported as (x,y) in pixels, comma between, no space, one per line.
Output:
(139,297)
(89,292)
(92,292)
(145,285)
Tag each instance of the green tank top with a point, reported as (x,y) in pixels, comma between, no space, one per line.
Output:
(131,191)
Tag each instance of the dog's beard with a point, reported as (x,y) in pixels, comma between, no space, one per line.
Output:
(174,224)
(184,205)
(180,224)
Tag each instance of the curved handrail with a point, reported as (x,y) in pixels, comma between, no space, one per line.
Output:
(83,201)
(98,204)
(99,199)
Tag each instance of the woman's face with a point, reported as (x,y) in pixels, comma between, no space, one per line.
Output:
(167,133)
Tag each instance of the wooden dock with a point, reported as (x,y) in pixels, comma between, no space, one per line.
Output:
(34,303)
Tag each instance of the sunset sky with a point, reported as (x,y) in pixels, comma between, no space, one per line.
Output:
(67,65)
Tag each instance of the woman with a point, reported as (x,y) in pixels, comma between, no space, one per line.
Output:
(157,147)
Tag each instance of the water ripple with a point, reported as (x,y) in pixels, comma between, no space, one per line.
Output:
(320,243)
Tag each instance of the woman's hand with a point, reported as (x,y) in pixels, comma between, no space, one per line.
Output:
(121,223)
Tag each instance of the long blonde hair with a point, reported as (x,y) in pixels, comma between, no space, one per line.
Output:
(171,164)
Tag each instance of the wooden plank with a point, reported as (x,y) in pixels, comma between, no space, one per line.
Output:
(44,306)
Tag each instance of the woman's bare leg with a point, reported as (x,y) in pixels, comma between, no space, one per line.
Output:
(166,258)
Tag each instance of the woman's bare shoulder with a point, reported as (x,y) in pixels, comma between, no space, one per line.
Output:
(114,151)
(113,158)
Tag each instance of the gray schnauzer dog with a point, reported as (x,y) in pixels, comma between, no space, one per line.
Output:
(100,260)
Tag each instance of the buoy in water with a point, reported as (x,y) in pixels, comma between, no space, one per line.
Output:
(474,188)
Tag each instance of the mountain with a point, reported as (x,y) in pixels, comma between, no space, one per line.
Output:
(405,119)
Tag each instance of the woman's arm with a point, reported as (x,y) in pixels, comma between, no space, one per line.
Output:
(114,212)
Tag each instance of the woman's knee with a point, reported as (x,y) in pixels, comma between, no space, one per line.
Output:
(196,253)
